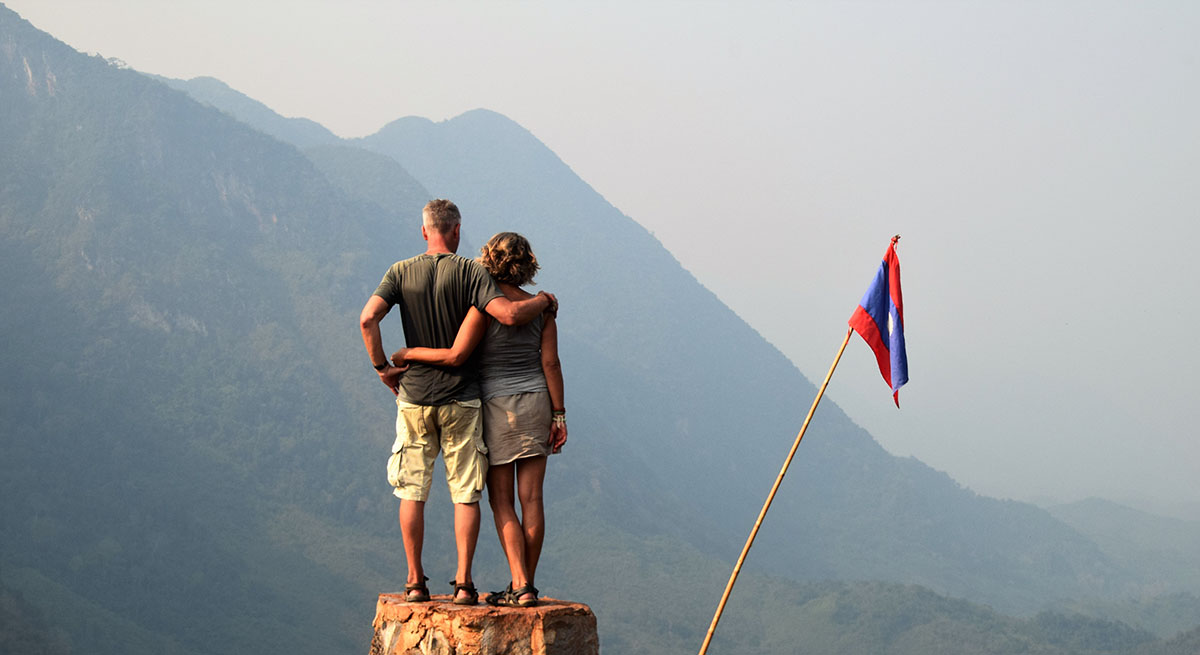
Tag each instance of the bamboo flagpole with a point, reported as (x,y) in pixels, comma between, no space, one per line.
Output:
(771,496)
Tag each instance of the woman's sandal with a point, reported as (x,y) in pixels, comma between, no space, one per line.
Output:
(516,594)
(472,597)
(421,594)
(494,599)
(512,597)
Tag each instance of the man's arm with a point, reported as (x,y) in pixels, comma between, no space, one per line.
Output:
(372,313)
(520,312)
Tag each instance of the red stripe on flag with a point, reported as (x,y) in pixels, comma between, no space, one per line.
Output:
(865,326)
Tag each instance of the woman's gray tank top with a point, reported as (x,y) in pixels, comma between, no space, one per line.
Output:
(510,359)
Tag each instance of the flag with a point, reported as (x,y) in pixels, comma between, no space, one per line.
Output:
(879,320)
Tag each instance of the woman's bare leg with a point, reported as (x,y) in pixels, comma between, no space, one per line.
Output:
(531,472)
(508,526)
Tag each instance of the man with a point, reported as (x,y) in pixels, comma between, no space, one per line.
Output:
(438,407)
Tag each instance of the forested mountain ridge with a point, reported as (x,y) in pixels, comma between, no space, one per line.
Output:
(175,302)
(192,444)
(1160,547)
(300,132)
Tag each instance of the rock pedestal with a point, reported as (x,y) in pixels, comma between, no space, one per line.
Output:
(440,627)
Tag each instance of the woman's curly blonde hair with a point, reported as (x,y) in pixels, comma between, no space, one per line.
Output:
(508,257)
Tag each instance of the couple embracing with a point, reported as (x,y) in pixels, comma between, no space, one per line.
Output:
(480,382)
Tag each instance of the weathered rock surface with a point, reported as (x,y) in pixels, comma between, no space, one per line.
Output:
(439,627)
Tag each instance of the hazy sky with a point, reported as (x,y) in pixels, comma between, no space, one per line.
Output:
(1040,159)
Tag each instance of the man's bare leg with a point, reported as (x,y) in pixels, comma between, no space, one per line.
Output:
(466,534)
(412,529)
(508,526)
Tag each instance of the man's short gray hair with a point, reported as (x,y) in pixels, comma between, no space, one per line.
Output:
(441,215)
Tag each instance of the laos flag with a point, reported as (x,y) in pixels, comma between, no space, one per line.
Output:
(879,320)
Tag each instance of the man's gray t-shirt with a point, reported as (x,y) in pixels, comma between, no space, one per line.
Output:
(434,293)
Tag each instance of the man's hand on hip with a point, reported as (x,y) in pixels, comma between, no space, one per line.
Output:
(390,377)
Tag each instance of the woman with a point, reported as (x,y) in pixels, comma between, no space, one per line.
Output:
(524,418)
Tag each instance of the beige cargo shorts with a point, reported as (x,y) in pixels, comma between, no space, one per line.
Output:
(456,430)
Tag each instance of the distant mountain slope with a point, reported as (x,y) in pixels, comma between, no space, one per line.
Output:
(1163,550)
(25,628)
(1165,615)
(1187,643)
(373,177)
(298,131)
(176,301)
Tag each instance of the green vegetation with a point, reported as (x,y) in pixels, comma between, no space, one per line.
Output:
(192,444)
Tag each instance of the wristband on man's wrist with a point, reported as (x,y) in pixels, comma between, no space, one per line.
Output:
(560,416)
(380,367)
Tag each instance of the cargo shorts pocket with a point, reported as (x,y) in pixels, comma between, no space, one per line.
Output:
(395,467)
(410,465)
(464,450)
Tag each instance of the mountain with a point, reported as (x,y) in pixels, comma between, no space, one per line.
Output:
(179,435)
(192,445)
(211,91)
(1163,549)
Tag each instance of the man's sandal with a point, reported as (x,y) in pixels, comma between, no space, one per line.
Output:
(472,597)
(417,593)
